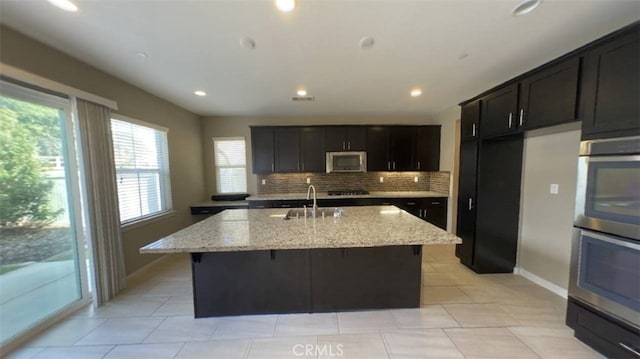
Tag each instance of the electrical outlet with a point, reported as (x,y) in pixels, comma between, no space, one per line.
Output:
(308,180)
(554,188)
(415,179)
(381,179)
(264,182)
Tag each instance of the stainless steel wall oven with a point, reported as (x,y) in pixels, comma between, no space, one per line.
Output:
(605,260)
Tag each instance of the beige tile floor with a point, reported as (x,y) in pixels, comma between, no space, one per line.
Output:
(463,315)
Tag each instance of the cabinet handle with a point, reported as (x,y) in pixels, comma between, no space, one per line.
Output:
(273,167)
(349,145)
(411,203)
(285,205)
(418,165)
(510,119)
(394,165)
(420,213)
(435,202)
(629,349)
(473,130)
(470,203)
(298,166)
(344,145)
(521,116)
(389,165)
(424,213)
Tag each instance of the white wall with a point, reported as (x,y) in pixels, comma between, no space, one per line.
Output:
(546,220)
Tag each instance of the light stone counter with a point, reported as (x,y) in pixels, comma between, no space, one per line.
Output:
(324,195)
(266,229)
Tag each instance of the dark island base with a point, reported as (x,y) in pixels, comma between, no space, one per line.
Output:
(306,280)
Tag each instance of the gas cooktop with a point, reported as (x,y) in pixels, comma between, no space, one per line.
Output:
(348,192)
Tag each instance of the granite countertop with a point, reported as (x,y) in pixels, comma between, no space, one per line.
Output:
(324,195)
(221,204)
(265,229)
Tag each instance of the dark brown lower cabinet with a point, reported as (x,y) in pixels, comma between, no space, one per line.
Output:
(602,332)
(306,280)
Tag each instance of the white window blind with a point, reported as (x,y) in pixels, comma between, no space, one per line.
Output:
(231,165)
(142,168)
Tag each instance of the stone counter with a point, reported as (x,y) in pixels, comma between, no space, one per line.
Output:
(266,229)
(324,195)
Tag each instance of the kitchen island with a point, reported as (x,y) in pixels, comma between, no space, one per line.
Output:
(253,261)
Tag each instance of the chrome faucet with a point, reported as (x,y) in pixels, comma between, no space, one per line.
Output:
(315,203)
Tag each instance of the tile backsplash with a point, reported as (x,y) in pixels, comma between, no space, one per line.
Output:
(370,181)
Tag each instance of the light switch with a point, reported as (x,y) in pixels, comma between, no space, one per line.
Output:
(554,188)
(381,179)
(264,182)
(308,180)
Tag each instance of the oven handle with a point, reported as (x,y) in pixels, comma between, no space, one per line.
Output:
(630,349)
(610,239)
(600,158)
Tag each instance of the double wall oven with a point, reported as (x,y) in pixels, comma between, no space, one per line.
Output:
(605,262)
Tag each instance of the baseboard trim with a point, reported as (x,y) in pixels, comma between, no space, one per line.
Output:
(542,282)
(146,268)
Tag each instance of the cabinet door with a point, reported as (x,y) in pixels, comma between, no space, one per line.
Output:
(403,148)
(378,148)
(550,97)
(435,211)
(499,111)
(335,138)
(428,148)
(470,121)
(611,88)
(262,146)
(356,138)
(466,228)
(287,149)
(313,151)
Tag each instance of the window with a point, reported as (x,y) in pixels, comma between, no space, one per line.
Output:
(142,169)
(231,165)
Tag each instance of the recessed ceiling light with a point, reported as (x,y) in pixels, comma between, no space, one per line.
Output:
(286,5)
(366,42)
(525,7)
(302,92)
(248,42)
(65,5)
(200,93)
(416,92)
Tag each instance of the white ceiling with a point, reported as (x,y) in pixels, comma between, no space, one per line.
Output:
(196,45)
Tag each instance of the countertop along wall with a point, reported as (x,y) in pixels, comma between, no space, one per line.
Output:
(185,138)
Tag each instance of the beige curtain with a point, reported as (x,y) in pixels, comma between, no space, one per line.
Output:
(102,200)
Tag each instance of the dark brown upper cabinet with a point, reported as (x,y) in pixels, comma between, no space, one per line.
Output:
(378,145)
(611,88)
(550,97)
(312,147)
(403,148)
(427,148)
(470,121)
(287,149)
(499,111)
(346,138)
(262,147)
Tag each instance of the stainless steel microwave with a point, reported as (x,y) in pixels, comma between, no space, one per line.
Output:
(352,161)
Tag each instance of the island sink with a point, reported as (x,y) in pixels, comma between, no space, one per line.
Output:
(302,213)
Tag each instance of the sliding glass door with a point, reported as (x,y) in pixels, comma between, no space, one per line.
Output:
(42,265)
